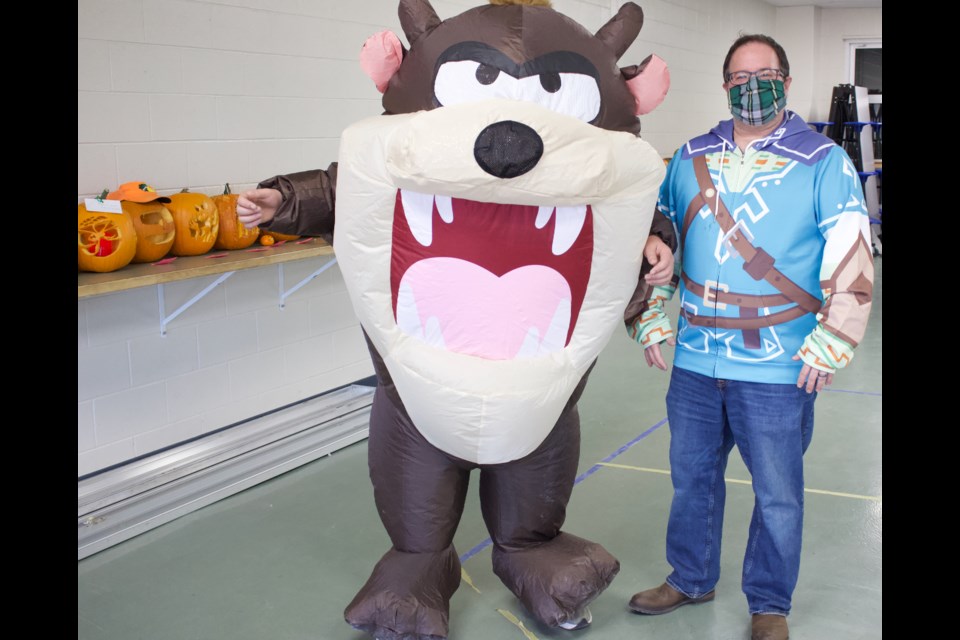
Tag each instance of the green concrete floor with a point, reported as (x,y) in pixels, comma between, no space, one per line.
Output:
(281,560)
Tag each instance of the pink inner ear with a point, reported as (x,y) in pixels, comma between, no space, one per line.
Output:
(380,58)
(650,87)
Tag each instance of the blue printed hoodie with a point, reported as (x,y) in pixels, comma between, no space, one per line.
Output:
(797,199)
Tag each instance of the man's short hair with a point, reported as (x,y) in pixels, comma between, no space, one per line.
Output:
(762,39)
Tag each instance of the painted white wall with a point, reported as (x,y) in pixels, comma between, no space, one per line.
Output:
(692,36)
(231,356)
(797,31)
(184,93)
(196,93)
(836,27)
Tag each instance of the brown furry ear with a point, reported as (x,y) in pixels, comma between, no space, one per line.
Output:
(622,29)
(416,18)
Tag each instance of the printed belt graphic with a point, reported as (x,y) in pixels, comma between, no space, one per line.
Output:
(758,264)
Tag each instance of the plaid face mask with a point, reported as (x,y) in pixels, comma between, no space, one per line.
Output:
(757,102)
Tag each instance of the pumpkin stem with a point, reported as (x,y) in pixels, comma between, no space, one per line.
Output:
(185,190)
(226,188)
(103,194)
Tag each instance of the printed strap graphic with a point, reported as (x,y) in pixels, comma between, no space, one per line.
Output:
(758,264)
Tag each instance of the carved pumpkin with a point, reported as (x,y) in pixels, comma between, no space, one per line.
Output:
(196,221)
(232,234)
(155,229)
(105,241)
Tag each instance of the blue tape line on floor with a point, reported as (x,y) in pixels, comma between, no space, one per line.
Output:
(586,474)
(862,393)
(477,549)
(589,472)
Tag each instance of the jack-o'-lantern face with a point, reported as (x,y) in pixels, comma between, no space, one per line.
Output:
(105,241)
(155,229)
(202,226)
(197,222)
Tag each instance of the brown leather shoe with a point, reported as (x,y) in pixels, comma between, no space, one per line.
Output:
(663,599)
(768,626)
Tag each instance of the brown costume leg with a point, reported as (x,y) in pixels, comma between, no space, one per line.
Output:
(524,504)
(419,493)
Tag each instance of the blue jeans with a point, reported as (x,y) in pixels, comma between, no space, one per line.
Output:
(772,425)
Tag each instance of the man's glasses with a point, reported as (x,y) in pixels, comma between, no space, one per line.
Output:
(743,77)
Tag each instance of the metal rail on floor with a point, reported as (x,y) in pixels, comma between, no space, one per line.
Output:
(118,504)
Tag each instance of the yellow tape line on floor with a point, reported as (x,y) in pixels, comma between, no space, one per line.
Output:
(466,578)
(512,618)
(747,482)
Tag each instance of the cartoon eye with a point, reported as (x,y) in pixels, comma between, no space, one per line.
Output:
(573,94)
(469,81)
(487,74)
(550,82)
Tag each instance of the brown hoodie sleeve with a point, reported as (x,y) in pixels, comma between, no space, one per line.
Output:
(639,303)
(662,227)
(308,203)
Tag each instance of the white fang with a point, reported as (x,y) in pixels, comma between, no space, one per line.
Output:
(445,208)
(557,331)
(418,209)
(408,317)
(555,338)
(433,334)
(568,226)
(543,216)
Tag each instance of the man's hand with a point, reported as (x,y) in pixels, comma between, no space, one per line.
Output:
(653,355)
(658,254)
(258,206)
(812,379)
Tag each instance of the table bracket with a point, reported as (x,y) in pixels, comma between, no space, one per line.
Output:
(286,294)
(165,320)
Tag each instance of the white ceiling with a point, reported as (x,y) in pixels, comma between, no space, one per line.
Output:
(831,4)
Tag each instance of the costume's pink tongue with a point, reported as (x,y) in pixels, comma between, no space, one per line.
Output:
(463,307)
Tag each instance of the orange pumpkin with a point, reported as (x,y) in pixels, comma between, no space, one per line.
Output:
(105,241)
(196,221)
(277,237)
(232,234)
(155,229)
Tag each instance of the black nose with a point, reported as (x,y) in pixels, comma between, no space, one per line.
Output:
(508,149)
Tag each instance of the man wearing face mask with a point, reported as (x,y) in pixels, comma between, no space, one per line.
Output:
(775,273)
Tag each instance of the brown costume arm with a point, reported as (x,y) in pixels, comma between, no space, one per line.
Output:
(308,203)
(662,227)
(644,296)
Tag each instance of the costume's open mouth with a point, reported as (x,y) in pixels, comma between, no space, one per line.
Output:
(498,281)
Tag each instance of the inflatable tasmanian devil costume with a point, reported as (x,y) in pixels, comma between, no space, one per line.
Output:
(490,228)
